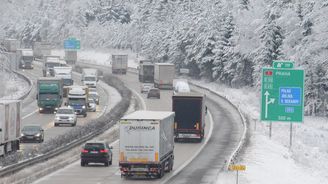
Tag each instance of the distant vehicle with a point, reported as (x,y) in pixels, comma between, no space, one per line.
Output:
(90,77)
(91,90)
(49,93)
(94,96)
(154,93)
(189,118)
(96,152)
(78,99)
(146,71)
(71,56)
(41,49)
(164,74)
(145,87)
(119,64)
(181,87)
(65,73)
(49,63)
(10,123)
(146,143)
(25,58)
(32,133)
(66,116)
(11,45)
(92,106)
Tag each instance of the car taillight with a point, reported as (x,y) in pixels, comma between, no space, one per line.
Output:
(104,151)
(84,151)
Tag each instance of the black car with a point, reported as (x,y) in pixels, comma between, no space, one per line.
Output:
(32,133)
(96,152)
(154,93)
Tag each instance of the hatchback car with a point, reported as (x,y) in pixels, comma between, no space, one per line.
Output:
(94,96)
(65,115)
(154,93)
(145,87)
(96,152)
(92,106)
(32,133)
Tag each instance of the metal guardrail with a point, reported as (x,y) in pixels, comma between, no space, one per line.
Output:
(18,166)
(30,83)
(242,141)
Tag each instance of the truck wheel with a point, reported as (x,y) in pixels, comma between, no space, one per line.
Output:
(110,162)
(106,163)
(55,124)
(85,115)
(82,163)
(162,172)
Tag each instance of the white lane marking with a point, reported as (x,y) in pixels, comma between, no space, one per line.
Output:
(176,171)
(30,114)
(143,103)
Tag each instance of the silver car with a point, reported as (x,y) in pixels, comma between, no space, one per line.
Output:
(65,115)
(92,106)
(94,96)
(145,87)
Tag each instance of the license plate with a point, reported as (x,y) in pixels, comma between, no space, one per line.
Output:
(30,137)
(188,136)
(139,169)
(93,151)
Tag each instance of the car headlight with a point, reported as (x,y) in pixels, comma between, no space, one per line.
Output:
(38,134)
(83,107)
(57,118)
(70,118)
(22,134)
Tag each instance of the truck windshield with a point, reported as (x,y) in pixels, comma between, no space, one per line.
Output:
(48,96)
(27,58)
(76,101)
(51,65)
(90,78)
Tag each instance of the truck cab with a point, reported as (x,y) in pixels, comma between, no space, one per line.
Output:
(49,93)
(89,77)
(78,99)
(25,58)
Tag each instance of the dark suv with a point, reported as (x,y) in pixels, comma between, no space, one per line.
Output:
(154,93)
(96,152)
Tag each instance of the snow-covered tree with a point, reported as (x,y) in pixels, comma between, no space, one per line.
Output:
(244,4)
(307,27)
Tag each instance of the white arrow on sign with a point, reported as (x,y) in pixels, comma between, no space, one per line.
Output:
(267,102)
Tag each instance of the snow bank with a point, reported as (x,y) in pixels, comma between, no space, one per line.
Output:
(13,87)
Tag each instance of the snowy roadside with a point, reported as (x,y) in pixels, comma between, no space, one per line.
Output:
(13,86)
(271,161)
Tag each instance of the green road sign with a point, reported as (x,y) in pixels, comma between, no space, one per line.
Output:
(283,64)
(282,93)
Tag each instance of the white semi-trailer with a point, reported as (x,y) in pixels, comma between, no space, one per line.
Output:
(10,124)
(65,73)
(163,75)
(146,143)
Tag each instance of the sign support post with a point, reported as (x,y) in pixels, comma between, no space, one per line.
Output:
(291,135)
(270,133)
(237,178)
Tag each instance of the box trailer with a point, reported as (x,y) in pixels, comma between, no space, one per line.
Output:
(163,75)
(11,45)
(71,56)
(189,123)
(146,71)
(119,64)
(10,125)
(25,58)
(146,143)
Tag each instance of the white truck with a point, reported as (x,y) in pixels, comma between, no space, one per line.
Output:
(25,58)
(49,62)
(65,73)
(90,77)
(78,99)
(11,45)
(41,49)
(163,75)
(119,64)
(146,143)
(10,124)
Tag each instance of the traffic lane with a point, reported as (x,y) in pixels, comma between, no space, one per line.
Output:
(97,173)
(228,130)
(47,121)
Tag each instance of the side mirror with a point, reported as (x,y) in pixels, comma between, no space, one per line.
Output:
(37,96)
(110,147)
(205,109)
(65,103)
(42,130)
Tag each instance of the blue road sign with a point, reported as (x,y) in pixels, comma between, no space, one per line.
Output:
(290,96)
(69,44)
